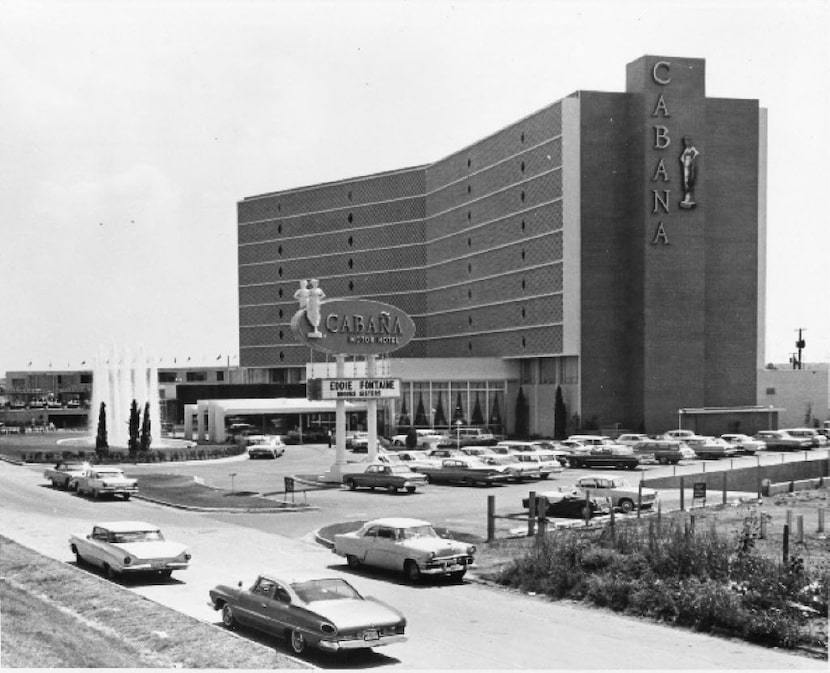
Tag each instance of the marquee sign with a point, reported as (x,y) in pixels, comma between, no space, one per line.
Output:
(356,389)
(349,326)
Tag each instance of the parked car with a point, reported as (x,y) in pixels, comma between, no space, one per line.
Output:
(570,504)
(414,460)
(458,437)
(711,447)
(620,457)
(781,440)
(631,439)
(621,492)
(744,443)
(593,440)
(408,545)
(682,434)
(516,470)
(464,470)
(388,477)
(273,448)
(103,480)
(819,441)
(357,442)
(310,610)
(547,463)
(663,451)
(554,447)
(129,547)
(427,439)
(63,473)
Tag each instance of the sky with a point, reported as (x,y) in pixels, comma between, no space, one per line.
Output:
(130,130)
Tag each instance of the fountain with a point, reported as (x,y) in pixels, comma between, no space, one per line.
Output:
(118,378)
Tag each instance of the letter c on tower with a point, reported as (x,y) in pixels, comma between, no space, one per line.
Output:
(656,75)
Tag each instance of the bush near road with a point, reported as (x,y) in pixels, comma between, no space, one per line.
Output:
(716,576)
(57,616)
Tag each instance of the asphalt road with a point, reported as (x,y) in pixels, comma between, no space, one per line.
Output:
(466,626)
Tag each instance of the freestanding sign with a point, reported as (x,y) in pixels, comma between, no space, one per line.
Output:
(353,327)
(350,327)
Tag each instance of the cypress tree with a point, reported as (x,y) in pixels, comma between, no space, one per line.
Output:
(560,416)
(522,416)
(146,437)
(101,443)
(133,444)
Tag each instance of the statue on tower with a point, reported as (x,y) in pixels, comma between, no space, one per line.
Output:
(688,160)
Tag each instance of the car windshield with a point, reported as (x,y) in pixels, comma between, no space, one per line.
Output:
(324,590)
(415,532)
(399,469)
(137,536)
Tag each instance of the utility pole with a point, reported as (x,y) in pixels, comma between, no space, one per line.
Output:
(800,344)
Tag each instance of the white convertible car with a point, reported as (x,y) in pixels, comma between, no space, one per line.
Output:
(128,547)
(408,545)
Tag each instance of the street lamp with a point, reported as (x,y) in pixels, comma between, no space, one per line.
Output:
(458,425)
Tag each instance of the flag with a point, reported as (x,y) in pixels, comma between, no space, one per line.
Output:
(219,357)
(83,362)
(188,358)
(30,364)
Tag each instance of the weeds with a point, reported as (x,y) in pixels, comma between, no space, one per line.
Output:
(671,571)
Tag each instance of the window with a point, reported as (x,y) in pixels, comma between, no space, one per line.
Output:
(196,376)
(167,377)
(770,391)
(220,376)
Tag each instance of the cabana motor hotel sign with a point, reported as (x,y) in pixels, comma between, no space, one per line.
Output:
(349,327)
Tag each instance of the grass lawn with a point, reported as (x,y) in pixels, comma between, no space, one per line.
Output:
(56,616)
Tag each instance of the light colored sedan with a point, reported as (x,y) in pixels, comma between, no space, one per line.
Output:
(744,443)
(129,547)
(408,545)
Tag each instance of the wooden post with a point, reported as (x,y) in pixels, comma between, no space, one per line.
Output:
(682,495)
(659,512)
(799,526)
(491,518)
(724,486)
(786,553)
(587,511)
(790,518)
(531,511)
(639,498)
(821,519)
(763,527)
(613,515)
(692,524)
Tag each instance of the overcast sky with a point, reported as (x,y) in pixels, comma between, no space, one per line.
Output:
(131,129)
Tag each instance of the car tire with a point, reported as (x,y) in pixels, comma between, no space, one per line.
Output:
(410,489)
(298,641)
(351,484)
(626,506)
(126,496)
(412,571)
(458,575)
(95,493)
(392,490)
(663,460)
(79,560)
(228,618)
(352,561)
(110,572)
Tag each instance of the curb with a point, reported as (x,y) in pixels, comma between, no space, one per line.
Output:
(228,510)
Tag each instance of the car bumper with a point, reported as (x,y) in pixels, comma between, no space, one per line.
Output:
(155,566)
(355,644)
(440,567)
(108,490)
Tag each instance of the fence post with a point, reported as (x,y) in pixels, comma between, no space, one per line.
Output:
(724,486)
(587,511)
(821,519)
(786,542)
(682,495)
(790,518)
(763,527)
(491,518)
(531,511)
(799,526)
(639,499)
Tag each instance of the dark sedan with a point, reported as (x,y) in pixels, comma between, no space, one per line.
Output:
(570,505)
(465,470)
(605,457)
(310,611)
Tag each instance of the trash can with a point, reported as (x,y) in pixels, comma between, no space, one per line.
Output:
(765,484)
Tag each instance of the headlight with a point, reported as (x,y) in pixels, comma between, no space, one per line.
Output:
(187,556)
(127,560)
(327,628)
(432,555)
(471,549)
